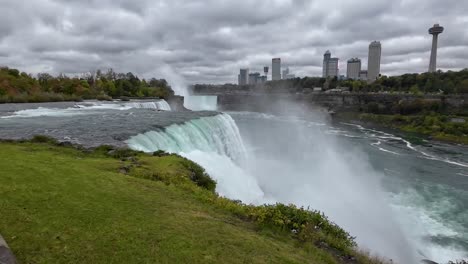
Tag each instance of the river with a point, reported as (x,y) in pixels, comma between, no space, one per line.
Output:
(402,198)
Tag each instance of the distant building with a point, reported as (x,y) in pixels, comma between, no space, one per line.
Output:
(243,77)
(330,66)
(353,69)
(363,75)
(253,78)
(285,72)
(262,79)
(373,65)
(276,69)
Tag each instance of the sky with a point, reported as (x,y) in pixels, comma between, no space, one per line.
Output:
(207,41)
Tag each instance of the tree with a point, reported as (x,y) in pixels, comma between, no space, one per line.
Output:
(462,87)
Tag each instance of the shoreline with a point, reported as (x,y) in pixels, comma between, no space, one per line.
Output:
(373,121)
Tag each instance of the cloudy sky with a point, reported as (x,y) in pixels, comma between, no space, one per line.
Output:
(209,40)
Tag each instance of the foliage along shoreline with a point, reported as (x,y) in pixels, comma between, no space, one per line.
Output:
(20,87)
(307,227)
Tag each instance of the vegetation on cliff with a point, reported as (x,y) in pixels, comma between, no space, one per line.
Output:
(439,127)
(61,205)
(20,87)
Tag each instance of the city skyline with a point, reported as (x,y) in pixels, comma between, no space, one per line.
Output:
(209,45)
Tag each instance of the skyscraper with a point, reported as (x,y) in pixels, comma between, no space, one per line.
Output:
(353,69)
(243,77)
(434,31)
(373,65)
(285,73)
(330,65)
(276,69)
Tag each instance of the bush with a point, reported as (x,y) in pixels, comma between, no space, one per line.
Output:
(121,153)
(160,153)
(311,226)
(103,97)
(199,176)
(43,139)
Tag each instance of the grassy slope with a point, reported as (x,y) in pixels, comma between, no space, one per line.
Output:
(59,205)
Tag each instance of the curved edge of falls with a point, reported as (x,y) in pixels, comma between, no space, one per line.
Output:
(213,142)
(215,134)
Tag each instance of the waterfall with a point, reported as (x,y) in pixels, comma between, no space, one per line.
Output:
(158,105)
(217,134)
(214,143)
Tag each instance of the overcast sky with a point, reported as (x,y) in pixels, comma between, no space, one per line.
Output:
(208,41)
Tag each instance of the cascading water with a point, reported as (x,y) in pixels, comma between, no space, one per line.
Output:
(309,170)
(158,105)
(214,143)
(91,108)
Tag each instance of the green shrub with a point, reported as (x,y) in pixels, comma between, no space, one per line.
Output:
(43,139)
(199,176)
(122,153)
(311,226)
(160,153)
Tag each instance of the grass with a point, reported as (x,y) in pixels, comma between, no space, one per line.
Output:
(60,205)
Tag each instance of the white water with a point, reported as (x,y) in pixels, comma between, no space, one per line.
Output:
(89,108)
(329,178)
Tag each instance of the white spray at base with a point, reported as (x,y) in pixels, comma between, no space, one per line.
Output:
(327,178)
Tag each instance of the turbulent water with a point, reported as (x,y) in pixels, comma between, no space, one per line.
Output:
(403,200)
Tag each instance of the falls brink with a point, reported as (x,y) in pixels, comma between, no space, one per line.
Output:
(158,105)
(218,134)
(214,143)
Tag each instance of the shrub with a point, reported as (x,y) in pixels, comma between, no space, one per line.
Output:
(122,153)
(43,139)
(199,176)
(311,226)
(103,97)
(160,153)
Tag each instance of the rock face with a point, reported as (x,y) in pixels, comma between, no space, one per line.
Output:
(6,256)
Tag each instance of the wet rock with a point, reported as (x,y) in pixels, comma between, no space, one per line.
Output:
(6,256)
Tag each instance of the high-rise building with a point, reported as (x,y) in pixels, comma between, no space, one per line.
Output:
(285,73)
(276,69)
(373,65)
(330,65)
(363,75)
(353,69)
(254,78)
(243,77)
(434,31)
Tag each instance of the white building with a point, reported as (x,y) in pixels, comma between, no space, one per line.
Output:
(276,69)
(353,69)
(330,66)
(373,66)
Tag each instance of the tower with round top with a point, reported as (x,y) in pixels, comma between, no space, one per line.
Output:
(434,31)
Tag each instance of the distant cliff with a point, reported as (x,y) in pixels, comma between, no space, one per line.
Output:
(246,99)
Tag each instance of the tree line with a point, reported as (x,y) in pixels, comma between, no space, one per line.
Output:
(16,86)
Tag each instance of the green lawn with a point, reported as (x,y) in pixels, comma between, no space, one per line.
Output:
(61,205)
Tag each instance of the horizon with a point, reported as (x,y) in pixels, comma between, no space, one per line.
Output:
(210,45)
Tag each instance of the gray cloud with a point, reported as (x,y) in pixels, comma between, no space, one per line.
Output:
(209,40)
